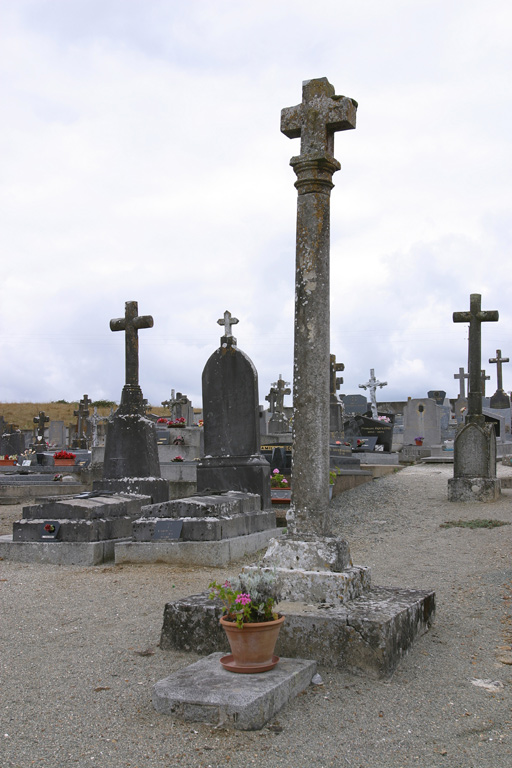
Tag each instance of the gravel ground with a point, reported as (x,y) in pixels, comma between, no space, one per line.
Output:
(79,653)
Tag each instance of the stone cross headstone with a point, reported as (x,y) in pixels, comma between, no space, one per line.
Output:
(41,420)
(475,317)
(372,385)
(131,450)
(278,422)
(232,460)
(179,406)
(82,413)
(461,376)
(500,399)
(474,458)
(315,121)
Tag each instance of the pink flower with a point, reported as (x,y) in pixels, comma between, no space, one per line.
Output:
(243,599)
(275,472)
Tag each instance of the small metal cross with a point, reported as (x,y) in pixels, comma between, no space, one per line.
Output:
(227,321)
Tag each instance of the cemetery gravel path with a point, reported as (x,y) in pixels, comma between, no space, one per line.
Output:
(79,653)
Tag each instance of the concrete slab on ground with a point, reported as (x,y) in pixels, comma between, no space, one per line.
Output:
(205,692)
(214,553)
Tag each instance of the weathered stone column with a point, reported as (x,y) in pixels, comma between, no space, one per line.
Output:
(315,121)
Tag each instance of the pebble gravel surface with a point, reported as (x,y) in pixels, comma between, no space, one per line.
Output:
(79,653)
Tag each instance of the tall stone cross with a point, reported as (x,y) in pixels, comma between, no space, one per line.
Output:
(41,420)
(336,381)
(315,121)
(499,360)
(372,385)
(461,376)
(227,321)
(94,420)
(475,317)
(131,323)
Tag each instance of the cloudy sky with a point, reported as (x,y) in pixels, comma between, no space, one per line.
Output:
(142,159)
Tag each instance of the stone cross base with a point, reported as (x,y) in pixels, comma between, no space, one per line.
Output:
(131,448)
(369,634)
(474,489)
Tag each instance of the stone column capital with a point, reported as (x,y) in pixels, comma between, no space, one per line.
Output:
(314,173)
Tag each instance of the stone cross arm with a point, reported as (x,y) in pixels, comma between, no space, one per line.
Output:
(320,114)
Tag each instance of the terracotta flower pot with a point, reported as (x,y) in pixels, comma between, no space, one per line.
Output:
(419,442)
(252,647)
(64,462)
(7,462)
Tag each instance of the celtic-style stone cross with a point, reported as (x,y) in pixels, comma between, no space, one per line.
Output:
(227,321)
(475,317)
(499,360)
(372,385)
(131,323)
(461,376)
(315,121)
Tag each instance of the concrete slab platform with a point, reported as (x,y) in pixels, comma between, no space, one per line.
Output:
(205,692)
(58,552)
(369,634)
(214,553)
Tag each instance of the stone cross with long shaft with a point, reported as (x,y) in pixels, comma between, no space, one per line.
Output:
(315,121)
(475,317)
(281,389)
(499,360)
(131,323)
(372,385)
(461,376)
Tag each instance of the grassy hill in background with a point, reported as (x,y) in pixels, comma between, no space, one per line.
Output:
(22,414)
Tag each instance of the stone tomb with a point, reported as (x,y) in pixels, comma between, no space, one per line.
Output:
(200,530)
(73,530)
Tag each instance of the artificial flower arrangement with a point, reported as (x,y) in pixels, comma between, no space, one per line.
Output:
(178,458)
(162,421)
(13,457)
(278,480)
(179,422)
(64,455)
(248,599)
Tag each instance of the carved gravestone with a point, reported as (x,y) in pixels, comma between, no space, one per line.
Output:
(422,418)
(232,460)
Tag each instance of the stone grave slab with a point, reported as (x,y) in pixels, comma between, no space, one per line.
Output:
(205,692)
